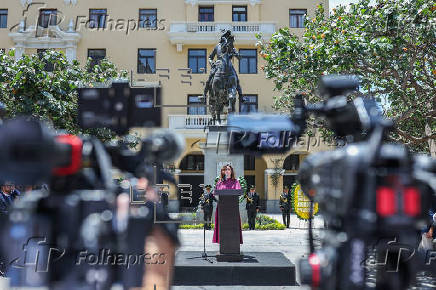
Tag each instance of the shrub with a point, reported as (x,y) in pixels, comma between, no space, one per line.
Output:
(194,227)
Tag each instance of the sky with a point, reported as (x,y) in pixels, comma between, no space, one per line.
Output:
(334,3)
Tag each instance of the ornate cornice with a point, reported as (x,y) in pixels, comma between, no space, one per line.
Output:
(54,38)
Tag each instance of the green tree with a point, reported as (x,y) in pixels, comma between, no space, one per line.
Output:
(26,88)
(391,46)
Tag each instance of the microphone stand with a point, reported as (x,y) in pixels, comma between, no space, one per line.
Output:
(204,254)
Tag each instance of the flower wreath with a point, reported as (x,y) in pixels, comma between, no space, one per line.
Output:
(294,203)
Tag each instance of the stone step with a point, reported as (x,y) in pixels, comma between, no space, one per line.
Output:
(256,269)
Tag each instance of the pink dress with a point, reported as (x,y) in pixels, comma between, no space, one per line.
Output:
(228,184)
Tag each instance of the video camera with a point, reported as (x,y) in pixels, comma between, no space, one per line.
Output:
(119,107)
(367,191)
(79,216)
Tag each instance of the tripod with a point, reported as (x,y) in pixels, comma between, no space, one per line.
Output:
(204,255)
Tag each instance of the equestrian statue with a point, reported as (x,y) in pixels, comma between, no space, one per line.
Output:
(223,82)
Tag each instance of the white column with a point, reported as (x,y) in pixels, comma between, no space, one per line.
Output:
(70,52)
(19,51)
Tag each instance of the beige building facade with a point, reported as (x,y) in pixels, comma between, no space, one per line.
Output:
(166,44)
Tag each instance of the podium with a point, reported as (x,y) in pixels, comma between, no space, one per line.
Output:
(229,223)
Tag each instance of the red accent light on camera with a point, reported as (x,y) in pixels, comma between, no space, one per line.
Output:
(76,154)
(386,202)
(316,270)
(412,201)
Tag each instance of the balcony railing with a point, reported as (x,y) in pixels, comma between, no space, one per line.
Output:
(183,122)
(235,27)
(205,32)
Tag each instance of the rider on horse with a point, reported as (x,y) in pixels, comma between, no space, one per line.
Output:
(226,42)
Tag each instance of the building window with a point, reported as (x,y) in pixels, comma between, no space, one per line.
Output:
(147,18)
(248,104)
(289,180)
(205,13)
(292,162)
(3,18)
(248,61)
(239,13)
(250,181)
(146,61)
(96,56)
(249,162)
(296,18)
(48,66)
(197,60)
(47,17)
(97,18)
(195,106)
(192,162)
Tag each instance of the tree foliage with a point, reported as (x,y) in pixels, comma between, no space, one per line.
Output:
(391,46)
(26,88)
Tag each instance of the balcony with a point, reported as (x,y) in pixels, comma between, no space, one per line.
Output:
(208,32)
(189,122)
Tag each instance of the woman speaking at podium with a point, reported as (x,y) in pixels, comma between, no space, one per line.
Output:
(227,181)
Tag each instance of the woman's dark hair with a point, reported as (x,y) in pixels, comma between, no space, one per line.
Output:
(232,176)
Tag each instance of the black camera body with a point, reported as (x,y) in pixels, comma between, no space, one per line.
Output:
(368,191)
(119,107)
(71,236)
(374,198)
(46,232)
(339,183)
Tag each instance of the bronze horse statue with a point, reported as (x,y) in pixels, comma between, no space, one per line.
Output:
(224,83)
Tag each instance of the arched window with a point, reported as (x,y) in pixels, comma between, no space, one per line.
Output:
(192,162)
(292,162)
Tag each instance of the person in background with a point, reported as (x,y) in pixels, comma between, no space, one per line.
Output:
(163,197)
(7,196)
(206,203)
(431,229)
(285,206)
(252,207)
(428,234)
